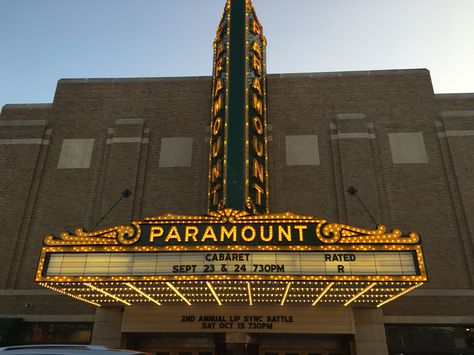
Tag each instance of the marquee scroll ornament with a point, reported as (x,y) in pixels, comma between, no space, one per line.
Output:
(331,233)
(119,235)
(327,233)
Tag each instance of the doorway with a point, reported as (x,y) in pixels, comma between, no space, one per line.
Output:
(302,352)
(299,344)
(184,352)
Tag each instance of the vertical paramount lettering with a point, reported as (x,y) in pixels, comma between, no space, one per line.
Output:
(217,126)
(258,147)
(257,118)
(238,177)
(216,171)
(258,170)
(256,85)
(257,125)
(219,117)
(257,104)
(218,105)
(216,148)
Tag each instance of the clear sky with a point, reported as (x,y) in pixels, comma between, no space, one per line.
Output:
(42,41)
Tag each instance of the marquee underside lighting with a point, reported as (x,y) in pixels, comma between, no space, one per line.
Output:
(234,292)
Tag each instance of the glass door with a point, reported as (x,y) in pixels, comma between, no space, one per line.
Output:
(302,352)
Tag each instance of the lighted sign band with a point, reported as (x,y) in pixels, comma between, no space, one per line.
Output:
(214,293)
(321,295)
(70,294)
(226,127)
(246,103)
(107,294)
(367,289)
(249,288)
(170,285)
(142,293)
(399,295)
(265,121)
(207,264)
(261,76)
(222,38)
(286,294)
(211,134)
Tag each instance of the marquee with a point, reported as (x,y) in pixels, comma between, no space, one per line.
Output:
(233,257)
(238,253)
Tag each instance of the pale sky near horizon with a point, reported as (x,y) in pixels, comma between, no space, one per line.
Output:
(42,41)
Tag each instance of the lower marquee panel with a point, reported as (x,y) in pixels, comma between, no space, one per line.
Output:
(238,319)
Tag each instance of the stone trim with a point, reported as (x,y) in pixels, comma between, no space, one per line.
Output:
(352,73)
(119,140)
(15,123)
(24,141)
(428,320)
(456,114)
(350,116)
(285,75)
(51,317)
(355,135)
(26,292)
(27,106)
(128,80)
(442,292)
(454,96)
(129,121)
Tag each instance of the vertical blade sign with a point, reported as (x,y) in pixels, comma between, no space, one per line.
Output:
(238,162)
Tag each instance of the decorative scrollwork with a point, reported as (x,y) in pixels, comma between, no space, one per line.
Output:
(119,235)
(128,235)
(327,233)
(331,233)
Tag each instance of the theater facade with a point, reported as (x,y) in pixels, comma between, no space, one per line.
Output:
(241,213)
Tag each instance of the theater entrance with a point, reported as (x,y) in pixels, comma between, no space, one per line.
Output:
(184,352)
(256,344)
(306,344)
(267,330)
(304,352)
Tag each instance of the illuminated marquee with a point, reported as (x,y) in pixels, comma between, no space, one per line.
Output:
(239,252)
(229,246)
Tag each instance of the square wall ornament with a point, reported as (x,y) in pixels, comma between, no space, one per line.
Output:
(408,148)
(76,154)
(302,150)
(176,152)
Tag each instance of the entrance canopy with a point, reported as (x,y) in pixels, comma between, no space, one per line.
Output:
(233,257)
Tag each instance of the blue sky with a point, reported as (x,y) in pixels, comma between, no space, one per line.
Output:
(42,41)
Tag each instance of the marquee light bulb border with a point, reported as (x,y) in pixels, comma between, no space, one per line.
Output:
(241,288)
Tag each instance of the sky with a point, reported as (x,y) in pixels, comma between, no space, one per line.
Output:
(42,41)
